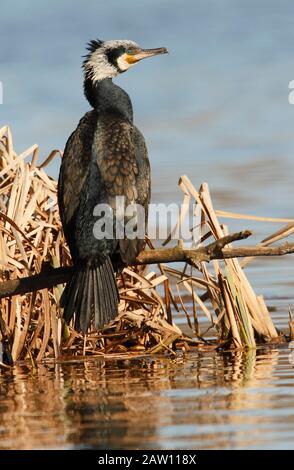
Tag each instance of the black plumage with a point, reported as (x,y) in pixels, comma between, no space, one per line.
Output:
(105,157)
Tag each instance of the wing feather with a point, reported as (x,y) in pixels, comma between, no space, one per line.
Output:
(124,166)
(74,169)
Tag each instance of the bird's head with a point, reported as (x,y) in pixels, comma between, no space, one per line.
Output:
(106,59)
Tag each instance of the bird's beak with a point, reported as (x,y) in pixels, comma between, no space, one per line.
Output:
(144,53)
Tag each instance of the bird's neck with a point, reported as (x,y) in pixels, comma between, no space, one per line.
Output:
(106,96)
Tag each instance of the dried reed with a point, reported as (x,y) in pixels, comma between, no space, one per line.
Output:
(31,239)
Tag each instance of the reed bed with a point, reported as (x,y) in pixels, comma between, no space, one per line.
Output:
(240,317)
(31,240)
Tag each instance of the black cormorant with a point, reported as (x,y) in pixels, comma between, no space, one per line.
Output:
(104,157)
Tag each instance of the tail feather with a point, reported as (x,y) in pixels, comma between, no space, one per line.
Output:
(78,304)
(96,296)
(68,298)
(107,288)
(87,302)
(91,295)
(111,287)
(104,290)
(101,291)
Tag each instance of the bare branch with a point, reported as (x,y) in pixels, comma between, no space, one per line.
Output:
(215,250)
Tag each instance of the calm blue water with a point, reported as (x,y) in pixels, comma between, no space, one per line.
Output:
(216,108)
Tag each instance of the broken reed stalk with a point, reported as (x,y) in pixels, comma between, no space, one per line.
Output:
(33,249)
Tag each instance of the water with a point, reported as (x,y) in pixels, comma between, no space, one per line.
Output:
(210,401)
(216,108)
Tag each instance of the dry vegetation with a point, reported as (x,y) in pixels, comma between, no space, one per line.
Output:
(31,239)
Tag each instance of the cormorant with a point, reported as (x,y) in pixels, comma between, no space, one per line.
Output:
(104,157)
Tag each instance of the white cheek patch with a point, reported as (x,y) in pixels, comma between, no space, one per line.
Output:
(99,68)
(123,64)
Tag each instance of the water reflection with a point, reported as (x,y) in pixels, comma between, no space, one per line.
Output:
(233,400)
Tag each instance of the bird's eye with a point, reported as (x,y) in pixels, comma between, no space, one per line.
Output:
(130,51)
